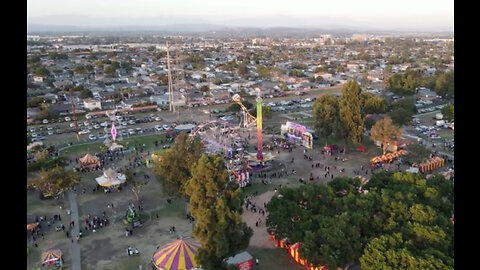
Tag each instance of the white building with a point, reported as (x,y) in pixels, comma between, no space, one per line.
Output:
(37,78)
(91,104)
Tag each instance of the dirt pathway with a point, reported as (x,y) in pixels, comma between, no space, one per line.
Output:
(260,235)
(74,248)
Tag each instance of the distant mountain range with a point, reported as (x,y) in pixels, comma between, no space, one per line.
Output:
(209,28)
(253,24)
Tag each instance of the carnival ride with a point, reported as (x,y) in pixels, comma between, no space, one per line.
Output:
(52,258)
(89,163)
(259,160)
(219,137)
(131,217)
(112,145)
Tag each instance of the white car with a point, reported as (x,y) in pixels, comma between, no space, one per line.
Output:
(102,135)
(85,131)
(45,121)
(32,130)
(158,128)
(104,124)
(158,119)
(131,122)
(86,123)
(96,126)
(124,123)
(88,116)
(68,119)
(50,132)
(92,137)
(34,135)
(131,131)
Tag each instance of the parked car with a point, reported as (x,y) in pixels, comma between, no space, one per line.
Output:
(92,137)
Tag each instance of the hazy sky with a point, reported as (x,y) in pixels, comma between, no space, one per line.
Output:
(405,13)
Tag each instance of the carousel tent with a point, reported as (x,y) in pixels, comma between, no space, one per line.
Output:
(88,160)
(51,256)
(178,255)
(111,178)
(31,226)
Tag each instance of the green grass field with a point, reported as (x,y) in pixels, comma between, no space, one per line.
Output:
(446,133)
(93,147)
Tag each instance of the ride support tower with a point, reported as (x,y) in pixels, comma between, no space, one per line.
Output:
(259,129)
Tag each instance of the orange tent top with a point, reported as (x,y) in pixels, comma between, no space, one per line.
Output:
(88,159)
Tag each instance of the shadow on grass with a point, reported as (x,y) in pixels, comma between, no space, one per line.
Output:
(176,209)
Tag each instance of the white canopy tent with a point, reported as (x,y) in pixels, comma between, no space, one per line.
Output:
(111,178)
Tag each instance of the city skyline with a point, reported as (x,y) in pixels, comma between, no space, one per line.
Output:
(407,15)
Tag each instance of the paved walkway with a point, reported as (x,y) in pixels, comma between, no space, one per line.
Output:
(74,247)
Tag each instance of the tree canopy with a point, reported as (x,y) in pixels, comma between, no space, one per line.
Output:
(243,71)
(402,111)
(56,180)
(385,132)
(372,104)
(402,216)
(416,153)
(325,115)
(405,83)
(173,169)
(350,108)
(215,203)
(444,85)
(448,112)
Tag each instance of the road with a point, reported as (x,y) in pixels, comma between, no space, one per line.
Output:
(74,247)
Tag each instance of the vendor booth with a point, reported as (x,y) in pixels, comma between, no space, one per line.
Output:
(243,260)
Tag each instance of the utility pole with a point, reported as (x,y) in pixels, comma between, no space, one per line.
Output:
(74,115)
(170,84)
